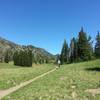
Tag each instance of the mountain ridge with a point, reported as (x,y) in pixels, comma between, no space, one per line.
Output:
(37,51)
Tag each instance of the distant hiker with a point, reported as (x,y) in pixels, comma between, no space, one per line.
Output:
(59,62)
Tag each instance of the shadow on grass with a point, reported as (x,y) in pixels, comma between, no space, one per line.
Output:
(93,69)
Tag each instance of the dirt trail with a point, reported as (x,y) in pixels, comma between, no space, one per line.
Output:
(93,91)
(10,90)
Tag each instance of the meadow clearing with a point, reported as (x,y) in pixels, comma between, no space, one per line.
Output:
(11,75)
(70,82)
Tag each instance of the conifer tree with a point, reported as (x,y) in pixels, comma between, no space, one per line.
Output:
(84,52)
(90,46)
(73,50)
(30,57)
(97,46)
(15,57)
(23,57)
(64,53)
(7,58)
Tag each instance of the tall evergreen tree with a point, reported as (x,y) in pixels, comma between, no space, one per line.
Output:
(64,53)
(90,46)
(23,57)
(97,46)
(84,52)
(73,50)
(15,56)
(29,57)
(7,58)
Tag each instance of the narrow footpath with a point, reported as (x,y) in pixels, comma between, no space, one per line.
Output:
(13,89)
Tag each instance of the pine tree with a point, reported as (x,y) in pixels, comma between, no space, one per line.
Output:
(84,52)
(97,46)
(90,46)
(15,57)
(23,57)
(73,51)
(64,53)
(30,57)
(7,58)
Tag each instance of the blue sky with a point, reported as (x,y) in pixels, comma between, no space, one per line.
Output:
(46,23)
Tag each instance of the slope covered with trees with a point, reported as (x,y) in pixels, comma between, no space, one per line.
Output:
(8,49)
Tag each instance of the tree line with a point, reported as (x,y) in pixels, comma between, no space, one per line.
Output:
(80,49)
(25,57)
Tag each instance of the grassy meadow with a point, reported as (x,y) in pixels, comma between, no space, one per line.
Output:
(11,75)
(69,82)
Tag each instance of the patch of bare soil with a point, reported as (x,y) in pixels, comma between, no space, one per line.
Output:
(93,91)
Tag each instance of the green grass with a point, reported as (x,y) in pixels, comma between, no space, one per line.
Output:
(11,75)
(67,83)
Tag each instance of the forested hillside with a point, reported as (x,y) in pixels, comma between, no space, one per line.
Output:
(10,47)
